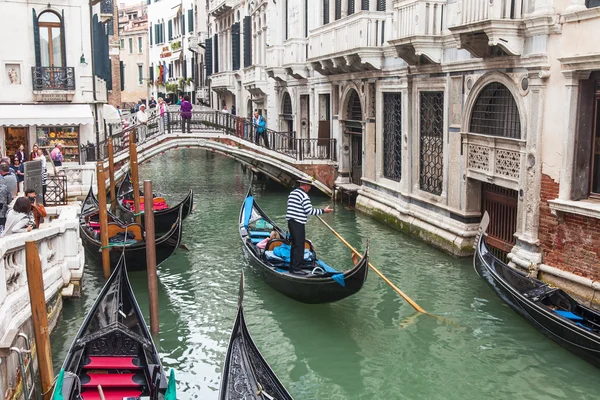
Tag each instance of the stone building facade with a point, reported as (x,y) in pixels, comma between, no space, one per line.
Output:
(133,43)
(442,110)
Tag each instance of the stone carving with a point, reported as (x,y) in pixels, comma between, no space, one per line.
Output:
(12,271)
(13,76)
(478,157)
(508,163)
(114,343)
(456,101)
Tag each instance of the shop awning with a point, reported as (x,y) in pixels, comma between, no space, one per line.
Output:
(45,114)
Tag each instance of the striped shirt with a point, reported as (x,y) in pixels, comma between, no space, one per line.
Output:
(299,206)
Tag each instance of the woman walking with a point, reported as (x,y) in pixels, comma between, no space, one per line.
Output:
(18,170)
(162,110)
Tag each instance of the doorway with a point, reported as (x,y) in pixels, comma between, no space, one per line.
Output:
(14,138)
(501,204)
(304,116)
(356,158)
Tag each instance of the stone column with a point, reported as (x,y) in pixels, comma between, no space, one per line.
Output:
(570,128)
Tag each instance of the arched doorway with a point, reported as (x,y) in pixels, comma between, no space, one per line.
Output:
(354,127)
(287,119)
(495,113)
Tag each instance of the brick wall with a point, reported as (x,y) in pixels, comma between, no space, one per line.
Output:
(572,245)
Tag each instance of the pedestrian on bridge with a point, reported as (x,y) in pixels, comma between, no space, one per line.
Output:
(186,113)
(261,129)
(162,110)
(142,119)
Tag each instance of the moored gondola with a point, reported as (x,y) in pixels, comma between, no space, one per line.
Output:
(113,349)
(246,374)
(552,311)
(164,216)
(321,284)
(129,237)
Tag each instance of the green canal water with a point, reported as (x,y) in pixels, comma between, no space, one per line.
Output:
(368,346)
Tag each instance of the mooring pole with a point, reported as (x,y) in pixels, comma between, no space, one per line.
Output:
(151,255)
(103,215)
(35,282)
(135,179)
(111,172)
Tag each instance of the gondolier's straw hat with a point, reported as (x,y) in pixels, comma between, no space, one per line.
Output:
(303,181)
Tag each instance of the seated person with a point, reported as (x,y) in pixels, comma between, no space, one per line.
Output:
(38,211)
(263,243)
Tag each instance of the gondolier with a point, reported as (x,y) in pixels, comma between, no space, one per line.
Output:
(299,208)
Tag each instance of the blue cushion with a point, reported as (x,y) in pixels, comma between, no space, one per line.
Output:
(260,233)
(583,326)
(569,315)
(256,240)
(338,277)
(248,207)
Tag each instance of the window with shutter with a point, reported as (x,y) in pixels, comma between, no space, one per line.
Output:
(36,40)
(325,12)
(62,40)
(122,74)
(380,5)
(149,35)
(364,5)
(156,33)
(184,68)
(338,9)
(191,20)
(216,53)
(208,56)
(170,30)
(235,46)
(247,42)
(193,66)
(182,24)
(350,7)
(151,74)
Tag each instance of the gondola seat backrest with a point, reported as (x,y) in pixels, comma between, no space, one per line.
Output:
(135,229)
(273,243)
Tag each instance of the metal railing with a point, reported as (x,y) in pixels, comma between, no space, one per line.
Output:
(285,143)
(53,78)
(56,191)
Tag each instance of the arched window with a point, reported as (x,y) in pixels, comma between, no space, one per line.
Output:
(495,113)
(51,40)
(286,108)
(354,107)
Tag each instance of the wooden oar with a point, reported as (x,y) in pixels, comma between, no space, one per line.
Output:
(396,289)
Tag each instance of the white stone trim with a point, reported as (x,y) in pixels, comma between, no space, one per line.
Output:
(587,208)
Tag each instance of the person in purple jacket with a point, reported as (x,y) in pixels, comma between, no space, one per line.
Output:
(186,113)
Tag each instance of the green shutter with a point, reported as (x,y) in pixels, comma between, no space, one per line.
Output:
(182,24)
(62,40)
(170,29)
(191,20)
(184,68)
(36,40)
(150,34)
(208,56)
(235,46)
(151,74)
(122,73)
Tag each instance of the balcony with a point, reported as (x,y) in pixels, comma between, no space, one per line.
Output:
(274,67)
(218,8)
(255,80)
(494,159)
(350,44)
(222,82)
(107,10)
(294,58)
(489,28)
(418,27)
(53,83)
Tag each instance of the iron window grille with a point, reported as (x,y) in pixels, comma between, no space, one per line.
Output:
(496,113)
(392,136)
(431,118)
(287,107)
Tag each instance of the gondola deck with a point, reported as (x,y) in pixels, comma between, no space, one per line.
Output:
(551,310)
(113,349)
(164,216)
(320,284)
(135,252)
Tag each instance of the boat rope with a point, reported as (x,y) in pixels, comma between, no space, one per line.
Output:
(261,392)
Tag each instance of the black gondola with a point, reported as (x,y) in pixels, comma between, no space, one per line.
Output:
(113,349)
(552,311)
(246,374)
(321,284)
(135,252)
(164,218)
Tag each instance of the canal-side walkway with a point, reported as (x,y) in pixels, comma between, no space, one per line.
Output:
(62,261)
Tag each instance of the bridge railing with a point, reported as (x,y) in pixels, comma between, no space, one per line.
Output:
(285,143)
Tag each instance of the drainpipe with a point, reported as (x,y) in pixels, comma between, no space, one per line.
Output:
(94,82)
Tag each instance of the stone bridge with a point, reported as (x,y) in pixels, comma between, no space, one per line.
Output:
(285,159)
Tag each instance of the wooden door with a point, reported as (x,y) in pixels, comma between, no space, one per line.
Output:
(356,159)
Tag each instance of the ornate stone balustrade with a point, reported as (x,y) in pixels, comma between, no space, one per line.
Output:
(494,159)
(62,260)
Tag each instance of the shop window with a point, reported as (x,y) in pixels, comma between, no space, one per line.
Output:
(496,113)
(392,136)
(431,128)
(68,136)
(51,39)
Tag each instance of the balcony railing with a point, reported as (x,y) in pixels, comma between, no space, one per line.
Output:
(222,80)
(477,10)
(363,29)
(107,7)
(53,78)
(419,17)
(220,7)
(491,158)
